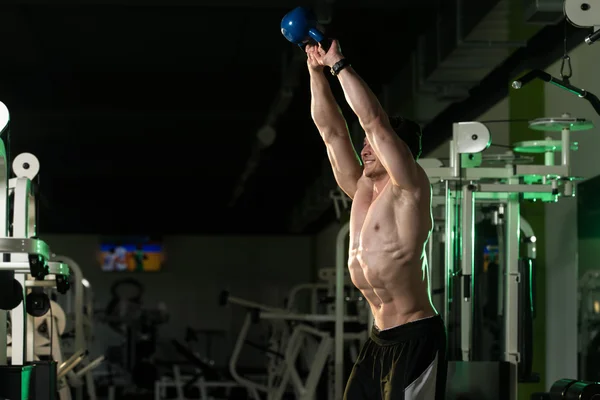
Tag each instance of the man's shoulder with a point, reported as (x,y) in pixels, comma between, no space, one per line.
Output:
(421,186)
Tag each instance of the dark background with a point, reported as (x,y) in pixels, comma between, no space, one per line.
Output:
(144,114)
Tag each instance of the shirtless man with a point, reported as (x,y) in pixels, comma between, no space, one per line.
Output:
(390,223)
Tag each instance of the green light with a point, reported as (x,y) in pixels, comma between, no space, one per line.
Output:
(25,381)
(541,146)
(567,89)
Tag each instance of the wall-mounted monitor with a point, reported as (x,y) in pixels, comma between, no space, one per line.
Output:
(131,254)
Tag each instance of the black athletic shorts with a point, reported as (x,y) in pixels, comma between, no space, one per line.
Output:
(407,362)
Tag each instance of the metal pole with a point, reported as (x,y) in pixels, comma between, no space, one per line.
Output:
(3,233)
(501,233)
(467,238)
(511,288)
(549,156)
(530,234)
(3,191)
(237,348)
(454,157)
(341,261)
(449,247)
(18,327)
(566,148)
(22,191)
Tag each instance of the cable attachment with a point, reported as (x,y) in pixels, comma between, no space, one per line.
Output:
(566,70)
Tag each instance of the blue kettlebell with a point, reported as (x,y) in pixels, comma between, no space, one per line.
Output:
(299,26)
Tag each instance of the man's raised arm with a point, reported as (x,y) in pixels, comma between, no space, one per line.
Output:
(392,152)
(332,126)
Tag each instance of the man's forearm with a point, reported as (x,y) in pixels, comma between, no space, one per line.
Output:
(324,109)
(360,97)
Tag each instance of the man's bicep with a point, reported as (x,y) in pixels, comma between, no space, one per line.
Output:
(345,163)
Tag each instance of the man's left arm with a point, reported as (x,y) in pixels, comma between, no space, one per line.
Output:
(392,152)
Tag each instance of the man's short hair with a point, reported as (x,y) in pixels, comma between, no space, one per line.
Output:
(410,132)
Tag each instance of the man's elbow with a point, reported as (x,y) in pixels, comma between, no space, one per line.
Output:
(331,135)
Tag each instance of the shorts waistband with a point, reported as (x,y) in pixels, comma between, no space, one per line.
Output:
(411,330)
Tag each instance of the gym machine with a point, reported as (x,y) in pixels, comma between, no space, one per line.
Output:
(317,339)
(211,382)
(130,366)
(465,185)
(26,269)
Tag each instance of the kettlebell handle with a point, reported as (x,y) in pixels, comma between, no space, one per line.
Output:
(318,37)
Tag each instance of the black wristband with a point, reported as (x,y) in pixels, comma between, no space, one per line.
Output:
(339,66)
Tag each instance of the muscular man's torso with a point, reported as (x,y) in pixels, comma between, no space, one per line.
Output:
(388,232)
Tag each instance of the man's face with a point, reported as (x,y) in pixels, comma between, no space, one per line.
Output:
(372,166)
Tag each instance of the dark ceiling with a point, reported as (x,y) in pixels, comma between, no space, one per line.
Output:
(144,113)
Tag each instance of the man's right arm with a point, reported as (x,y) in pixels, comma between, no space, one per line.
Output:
(332,126)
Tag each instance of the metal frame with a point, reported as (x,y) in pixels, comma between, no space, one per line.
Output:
(19,250)
(22,324)
(21,247)
(323,352)
(467,241)
(469,184)
(286,370)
